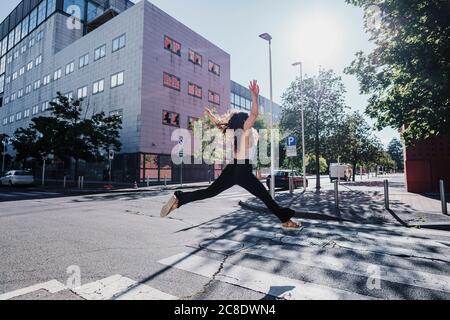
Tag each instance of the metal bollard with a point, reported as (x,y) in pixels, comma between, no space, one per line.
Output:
(165,181)
(79,182)
(386,194)
(82,182)
(336,194)
(291,185)
(443,198)
(65,182)
(148,182)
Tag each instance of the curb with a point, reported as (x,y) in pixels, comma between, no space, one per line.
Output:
(301,215)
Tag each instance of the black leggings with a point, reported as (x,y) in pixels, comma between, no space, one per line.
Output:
(242,175)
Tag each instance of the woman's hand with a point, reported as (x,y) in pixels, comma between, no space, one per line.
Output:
(254,88)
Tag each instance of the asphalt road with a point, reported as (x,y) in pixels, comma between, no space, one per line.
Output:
(212,249)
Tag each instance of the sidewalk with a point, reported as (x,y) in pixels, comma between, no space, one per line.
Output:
(363,202)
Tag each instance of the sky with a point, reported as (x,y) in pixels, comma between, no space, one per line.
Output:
(320,33)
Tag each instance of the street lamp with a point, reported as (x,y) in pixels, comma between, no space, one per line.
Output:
(5,143)
(303,122)
(268,38)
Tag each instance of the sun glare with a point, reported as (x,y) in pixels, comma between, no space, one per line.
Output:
(317,39)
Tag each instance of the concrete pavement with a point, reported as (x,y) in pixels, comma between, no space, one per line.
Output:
(212,249)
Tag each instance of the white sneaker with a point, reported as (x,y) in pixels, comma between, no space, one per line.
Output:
(170,206)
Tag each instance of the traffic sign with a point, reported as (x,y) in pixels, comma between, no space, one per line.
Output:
(291,151)
(291,141)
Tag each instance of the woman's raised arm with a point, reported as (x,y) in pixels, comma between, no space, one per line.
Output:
(254,89)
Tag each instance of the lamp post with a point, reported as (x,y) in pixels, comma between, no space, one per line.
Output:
(268,38)
(5,142)
(303,122)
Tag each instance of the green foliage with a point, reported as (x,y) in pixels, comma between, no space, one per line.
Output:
(324,108)
(68,133)
(311,164)
(395,150)
(407,74)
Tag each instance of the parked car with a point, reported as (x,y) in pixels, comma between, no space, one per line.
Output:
(282,179)
(17,177)
(343,172)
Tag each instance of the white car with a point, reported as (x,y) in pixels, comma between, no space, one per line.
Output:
(17,177)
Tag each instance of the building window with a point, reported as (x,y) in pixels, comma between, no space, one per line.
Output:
(119,43)
(28,89)
(11,40)
(9,60)
(42,12)
(11,119)
(214,68)
(191,122)
(98,86)
(18,116)
(26,113)
(172,45)
(40,36)
(195,90)
(24,49)
(5,121)
(37,84)
(35,110)
(2,65)
(25,26)
(82,92)
(13,97)
(4,47)
(20,94)
(16,54)
(45,106)
(57,75)
(171,81)
(171,118)
(2,85)
(31,43)
(195,58)
(68,95)
(30,65)
(8,79)
(117,79)
(14,76)
(38,60)
(70,67)
(213,97)
(100,52)
(84,61)
(21,71)
(6,100)
(46,80)
(117,113)
(51,7)
(18,34)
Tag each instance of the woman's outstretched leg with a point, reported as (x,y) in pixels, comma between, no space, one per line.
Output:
(255,187)
(224,182)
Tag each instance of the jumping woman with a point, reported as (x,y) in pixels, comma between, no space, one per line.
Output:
(240,172)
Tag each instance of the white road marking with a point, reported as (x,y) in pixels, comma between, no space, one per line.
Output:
(52,286)
(259,281)
(398,275)
(121,287)
(373,246)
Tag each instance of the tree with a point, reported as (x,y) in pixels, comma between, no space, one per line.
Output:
(358,145)
(68,133)
(24,142)
(395,150)
(407,75)
(323,100)
(311,164)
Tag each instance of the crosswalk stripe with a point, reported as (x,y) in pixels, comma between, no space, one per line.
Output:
(303,240)
(52,286)
(121,287)
(257,280)
(398,275)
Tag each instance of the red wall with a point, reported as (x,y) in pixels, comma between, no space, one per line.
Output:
(427,162)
